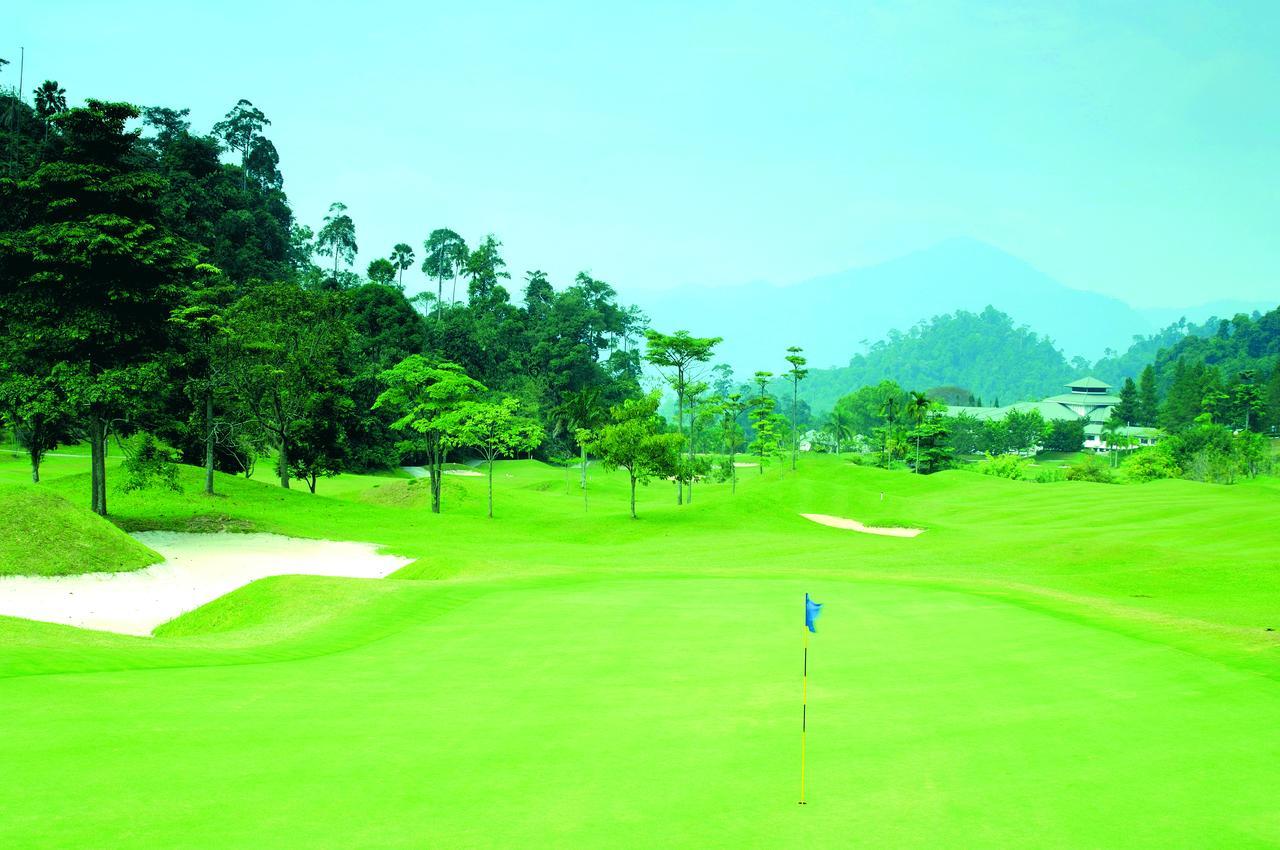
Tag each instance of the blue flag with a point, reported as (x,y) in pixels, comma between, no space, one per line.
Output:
(811,611)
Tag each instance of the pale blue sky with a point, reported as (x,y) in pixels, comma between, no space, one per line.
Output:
(1125,148)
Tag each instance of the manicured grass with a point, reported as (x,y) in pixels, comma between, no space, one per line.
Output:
(1066,665)
(43,534)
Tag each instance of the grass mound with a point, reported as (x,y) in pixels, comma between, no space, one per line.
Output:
(43,534)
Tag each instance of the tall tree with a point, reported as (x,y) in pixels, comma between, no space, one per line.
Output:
(241,127)
(287,344)
(633,440)
(444,255)
(730,408)
(840,426)
(678,357)
(382,272)
(337,238)
(89,275)
(1129,410)
(428,396)
(889,407)
(918,406)
(1148,399)
(50,99)
(581,413)
(402,259)
(494,429)
(797,373)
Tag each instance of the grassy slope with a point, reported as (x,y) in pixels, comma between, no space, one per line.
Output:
(588,680)
(42,533)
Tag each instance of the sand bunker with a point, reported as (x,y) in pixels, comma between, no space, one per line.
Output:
(467,472)
(198,568)
(744,465)
(854,525)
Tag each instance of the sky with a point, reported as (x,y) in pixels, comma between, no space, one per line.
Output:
(1126,148)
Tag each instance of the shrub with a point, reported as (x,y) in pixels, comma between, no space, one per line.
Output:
(1151,465)
(149,463)
(1090,468)
(1005,466)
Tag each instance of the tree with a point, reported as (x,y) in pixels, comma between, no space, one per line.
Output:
(485,268)
(677,358)
(241,127)
(1148,400)
(444,255)
(1248,406)
(1025,430)
(1129,410)
(933,443)
(495,430)
(337,238)
(918,406)
(730,408)
(839,425)
(34,406)
(201,317)
(797,374)
(382,272)
(89,275)
(889,407)
(402,259)
(50,99)
(318,441)
(427,396)
(1111,437)
(581,412)
(286,344)
(633,440)
(1065,435)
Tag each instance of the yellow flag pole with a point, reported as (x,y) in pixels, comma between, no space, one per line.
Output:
(804,712)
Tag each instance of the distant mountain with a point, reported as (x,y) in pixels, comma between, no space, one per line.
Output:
(836,316)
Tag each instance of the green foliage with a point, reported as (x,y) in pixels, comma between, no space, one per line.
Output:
(1091,468)
(149,463)
(1151,464)
(983,351)
(495,430)
(1005,466)
(1064,435)
(634,440)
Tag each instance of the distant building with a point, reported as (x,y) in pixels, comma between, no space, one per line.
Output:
(1088,399)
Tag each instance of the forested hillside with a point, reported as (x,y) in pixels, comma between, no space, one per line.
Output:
(985,353)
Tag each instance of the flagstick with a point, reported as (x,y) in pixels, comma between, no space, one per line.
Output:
(804,713)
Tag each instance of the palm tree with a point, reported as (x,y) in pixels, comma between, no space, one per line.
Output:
(402,258)
(840,426)
(50,100)
(918,408)
(887,409)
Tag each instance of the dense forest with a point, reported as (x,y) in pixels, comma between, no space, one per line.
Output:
(155,284)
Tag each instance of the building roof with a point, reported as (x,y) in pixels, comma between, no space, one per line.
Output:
(1094,429)
(1089,384)
(1046,409)
(1084,398)
(977,412)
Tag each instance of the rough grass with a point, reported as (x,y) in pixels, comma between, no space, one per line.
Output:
(1073,665)
(43,534)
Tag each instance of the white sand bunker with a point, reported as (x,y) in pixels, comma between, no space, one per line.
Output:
(470,473)
(198,568)
(854,525)
(741,465)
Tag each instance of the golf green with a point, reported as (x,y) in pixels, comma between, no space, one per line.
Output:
(648,712)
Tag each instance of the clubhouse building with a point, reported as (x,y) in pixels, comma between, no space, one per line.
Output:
(1087,398)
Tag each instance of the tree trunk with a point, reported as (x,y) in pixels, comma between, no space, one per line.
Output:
(437,463)
(633,497)
(584,478)
(208,444)
(490,488)
(795,442)
(284,463)
(35,463)
(98,465)
(680,426)
(439,301)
